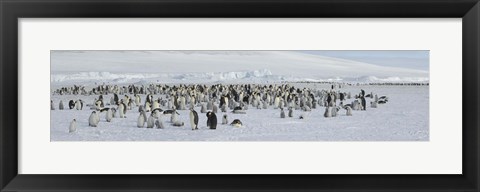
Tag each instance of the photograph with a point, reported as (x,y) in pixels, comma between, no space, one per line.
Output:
(239,95)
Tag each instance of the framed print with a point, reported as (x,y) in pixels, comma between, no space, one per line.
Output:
(227,95)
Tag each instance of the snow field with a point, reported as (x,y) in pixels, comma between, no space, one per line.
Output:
(404,118)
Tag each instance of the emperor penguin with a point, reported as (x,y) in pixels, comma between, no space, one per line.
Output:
(203,109)
(122,109)
(193,119)
(60,105)
(155,105)
(210,105)
(282,113)
(52,107)
(151,121)
(236,123)
(334,111)
(290,112)
(147,107)
(71,104)
(93,119)
(214,108)
(137,100)
(208,120)
(73,126)
(349,110)
(364,104)
(276,102)
(212,120)
(109,115)
(182,103)
(78,104)
(98,105)
(328,112)
(224,119)
(141,119)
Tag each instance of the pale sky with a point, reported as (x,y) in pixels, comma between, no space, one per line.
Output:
(403,59)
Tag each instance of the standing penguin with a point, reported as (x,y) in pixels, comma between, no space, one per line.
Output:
(71,104)
(214,108)
(194,119)
(349,110)
(109,115)
(212,120)
(204,108)
(224,119)
(290,112)
(73,126)
(328,112)
(334,111)
(122,109)
(210,105)
(151,121)
(79,104)
(93,119)
(60,105)
(137,100)
(364,103)
(141,119)
(282,114)
(52,107)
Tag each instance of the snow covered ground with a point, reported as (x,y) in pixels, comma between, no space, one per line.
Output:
(403,118)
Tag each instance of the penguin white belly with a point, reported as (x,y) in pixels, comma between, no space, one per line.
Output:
(121,109)
(224,120)
(192,120)
(137,101)
(155,105)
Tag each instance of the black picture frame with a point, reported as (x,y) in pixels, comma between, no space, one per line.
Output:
(11,10)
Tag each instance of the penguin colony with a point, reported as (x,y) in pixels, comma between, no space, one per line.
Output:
(154,101)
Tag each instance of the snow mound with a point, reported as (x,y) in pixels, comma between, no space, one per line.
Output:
(255,76)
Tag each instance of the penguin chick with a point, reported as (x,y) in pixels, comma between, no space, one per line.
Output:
(73,126)
(93,119)
(224,120)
